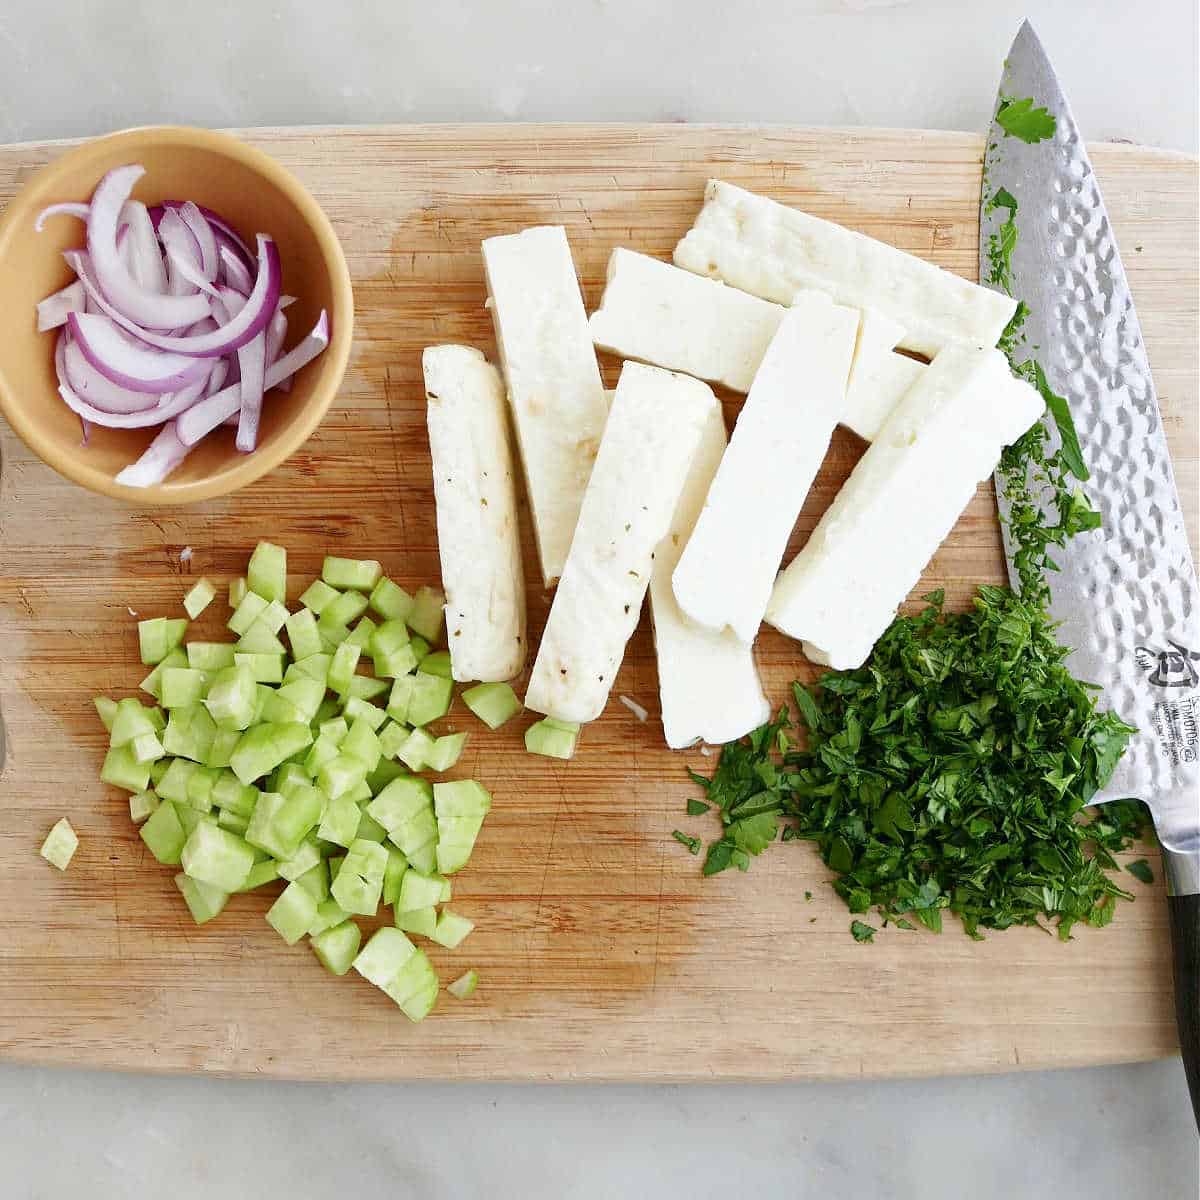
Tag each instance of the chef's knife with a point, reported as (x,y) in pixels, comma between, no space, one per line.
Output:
(1126,593)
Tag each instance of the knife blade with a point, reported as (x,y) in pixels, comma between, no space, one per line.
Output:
(1126,593)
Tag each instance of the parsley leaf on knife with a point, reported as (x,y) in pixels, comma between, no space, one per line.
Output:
(1020,119)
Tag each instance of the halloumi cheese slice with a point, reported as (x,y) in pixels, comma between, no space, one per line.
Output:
(478,535)
(656,313)
(773,251)
(901,500)
(878,377)
(647,449)
(728,568)
(707,682)
(553,378)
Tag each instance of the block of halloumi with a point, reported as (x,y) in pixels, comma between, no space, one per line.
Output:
(725,575)
(879,377)
(656,313)
(479,542)
(901,500)
(553,379)
(772,251)
(649,442)
(707,682)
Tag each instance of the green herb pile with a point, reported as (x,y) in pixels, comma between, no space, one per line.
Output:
(951,772)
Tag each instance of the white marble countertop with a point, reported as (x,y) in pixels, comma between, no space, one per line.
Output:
(79,67)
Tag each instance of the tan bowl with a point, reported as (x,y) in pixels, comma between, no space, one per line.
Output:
(256,195)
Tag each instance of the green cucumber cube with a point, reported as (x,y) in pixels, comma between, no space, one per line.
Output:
(315,881)
(341,774)
(267,573)
(224,744)
(362,633)
(237,591)
(332,636)
(343,611)
(357,709)
(209,656)
(157,718)
(251,608)
(233,822)
(384,956)
(451,929)
(393,876)
(200,786)
(401,800)
(158,636)
(359,573)
(292,914)
(329,914)
(492,703)
(130,721)
(340,821)
(261,874)
(324,750)
(335,729)
(460,808)
(230,793)
(437,663)
(158,770)
(106,710)
(463,988)
(60,845)
(343,666)
(232,697)
(430,698)
(204,901)
(418,890)
(318,596)
(362,743)
(363,687)
(307,857)
(182,687)
(153,682)
(216,856)
(289,775)
(199,597)
(369,830)
(266,668)
(417,920)
(141,805)
(383,775)
(337,948)
(259,639)
(190,733)
(420,648)
(428,613)
(396,664)
(415,988)
(122,769)
(400,699)
(551,741)
(190,817)
(389,637)
(391,738)
(174,783)
(302,634)
(359,882)
(147,748)
(315,666)
(164,834)
(274,618)
(262,748)
(390,600)
(414,754)
(446,751)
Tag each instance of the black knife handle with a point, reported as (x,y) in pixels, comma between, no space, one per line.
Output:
(1185,943)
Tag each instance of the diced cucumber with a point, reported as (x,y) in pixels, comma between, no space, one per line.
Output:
(329,914)
(430,698)
(237,591)
(266,668)
(259,639)
(451,929)
(315,881)
(343,611)
(428,613)
(417,920)
(400,699)
(200,786)
(337,948)
(199,598)
(60,845)
(216,856)
(391,738)
(158,636)
(251,608)
(341,774)
(307,857)
(463,988)
(405,809)
(122,769)
(106,710)
(343,666)
(340,822)
(315,666)
(318,596)
(390,600)
(157,718)
(445,751)
(384,956)
(420,648)
(393,876)
(174,783)
(383,775)
(418,890)
(190,733)
(158,770)
(359,573)
(388,638)
(267,573)
(492,703)
(332,636)
(204,901)
(357,709)
(302,697)
(130,720)
(323,750)
(183,687)
(189,817)
(437,663)
(415,988)
(414,753)
(360,793)
(363,687)
(396,664)
(141,805)
(209,656)
(362,743)
(274,618)
(369,830)
(292,914)
(152,683)
(362,633)
(164,834)
(460,808)
(359,882)
(261,874)
(262,748)
(224,744)
(147,748)
(551,740)
(303,635)
(229,792)
(233,822)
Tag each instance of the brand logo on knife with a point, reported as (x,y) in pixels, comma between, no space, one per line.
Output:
(1174,667)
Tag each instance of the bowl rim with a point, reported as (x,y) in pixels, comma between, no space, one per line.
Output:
(332,362)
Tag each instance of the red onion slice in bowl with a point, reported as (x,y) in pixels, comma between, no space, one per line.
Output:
(202,232)
(234,270)
(53,311)
(94,389)
(158,460)
(60,210)
(126,295)
(146,259)
(129,364)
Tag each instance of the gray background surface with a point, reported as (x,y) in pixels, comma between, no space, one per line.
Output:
(86,66)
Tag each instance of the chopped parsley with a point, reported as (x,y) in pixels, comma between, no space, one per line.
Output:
(1020,119)
(693,844)
(1140,869)
(862,932)
(697,808)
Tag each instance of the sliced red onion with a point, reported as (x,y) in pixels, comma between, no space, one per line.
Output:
(202,232)
(147,260)
(129,364)
(234,270)
(52,312)
(188,272)
(158,460)
(204,417)
(93,388)
(276,336)
(252,359)
(60,210)
(126,295)
(181,246)
(249,321)
(216,381)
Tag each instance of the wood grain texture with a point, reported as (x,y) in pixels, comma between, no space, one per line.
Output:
(602,952)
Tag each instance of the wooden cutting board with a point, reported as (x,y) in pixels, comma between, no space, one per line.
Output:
(603,954)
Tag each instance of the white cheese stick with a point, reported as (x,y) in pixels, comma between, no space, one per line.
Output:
(901,500)
(656,313)
(772,251)
(478,536)
(707,682)
(647,448)
(878,376)
(728,567)
(553,379)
